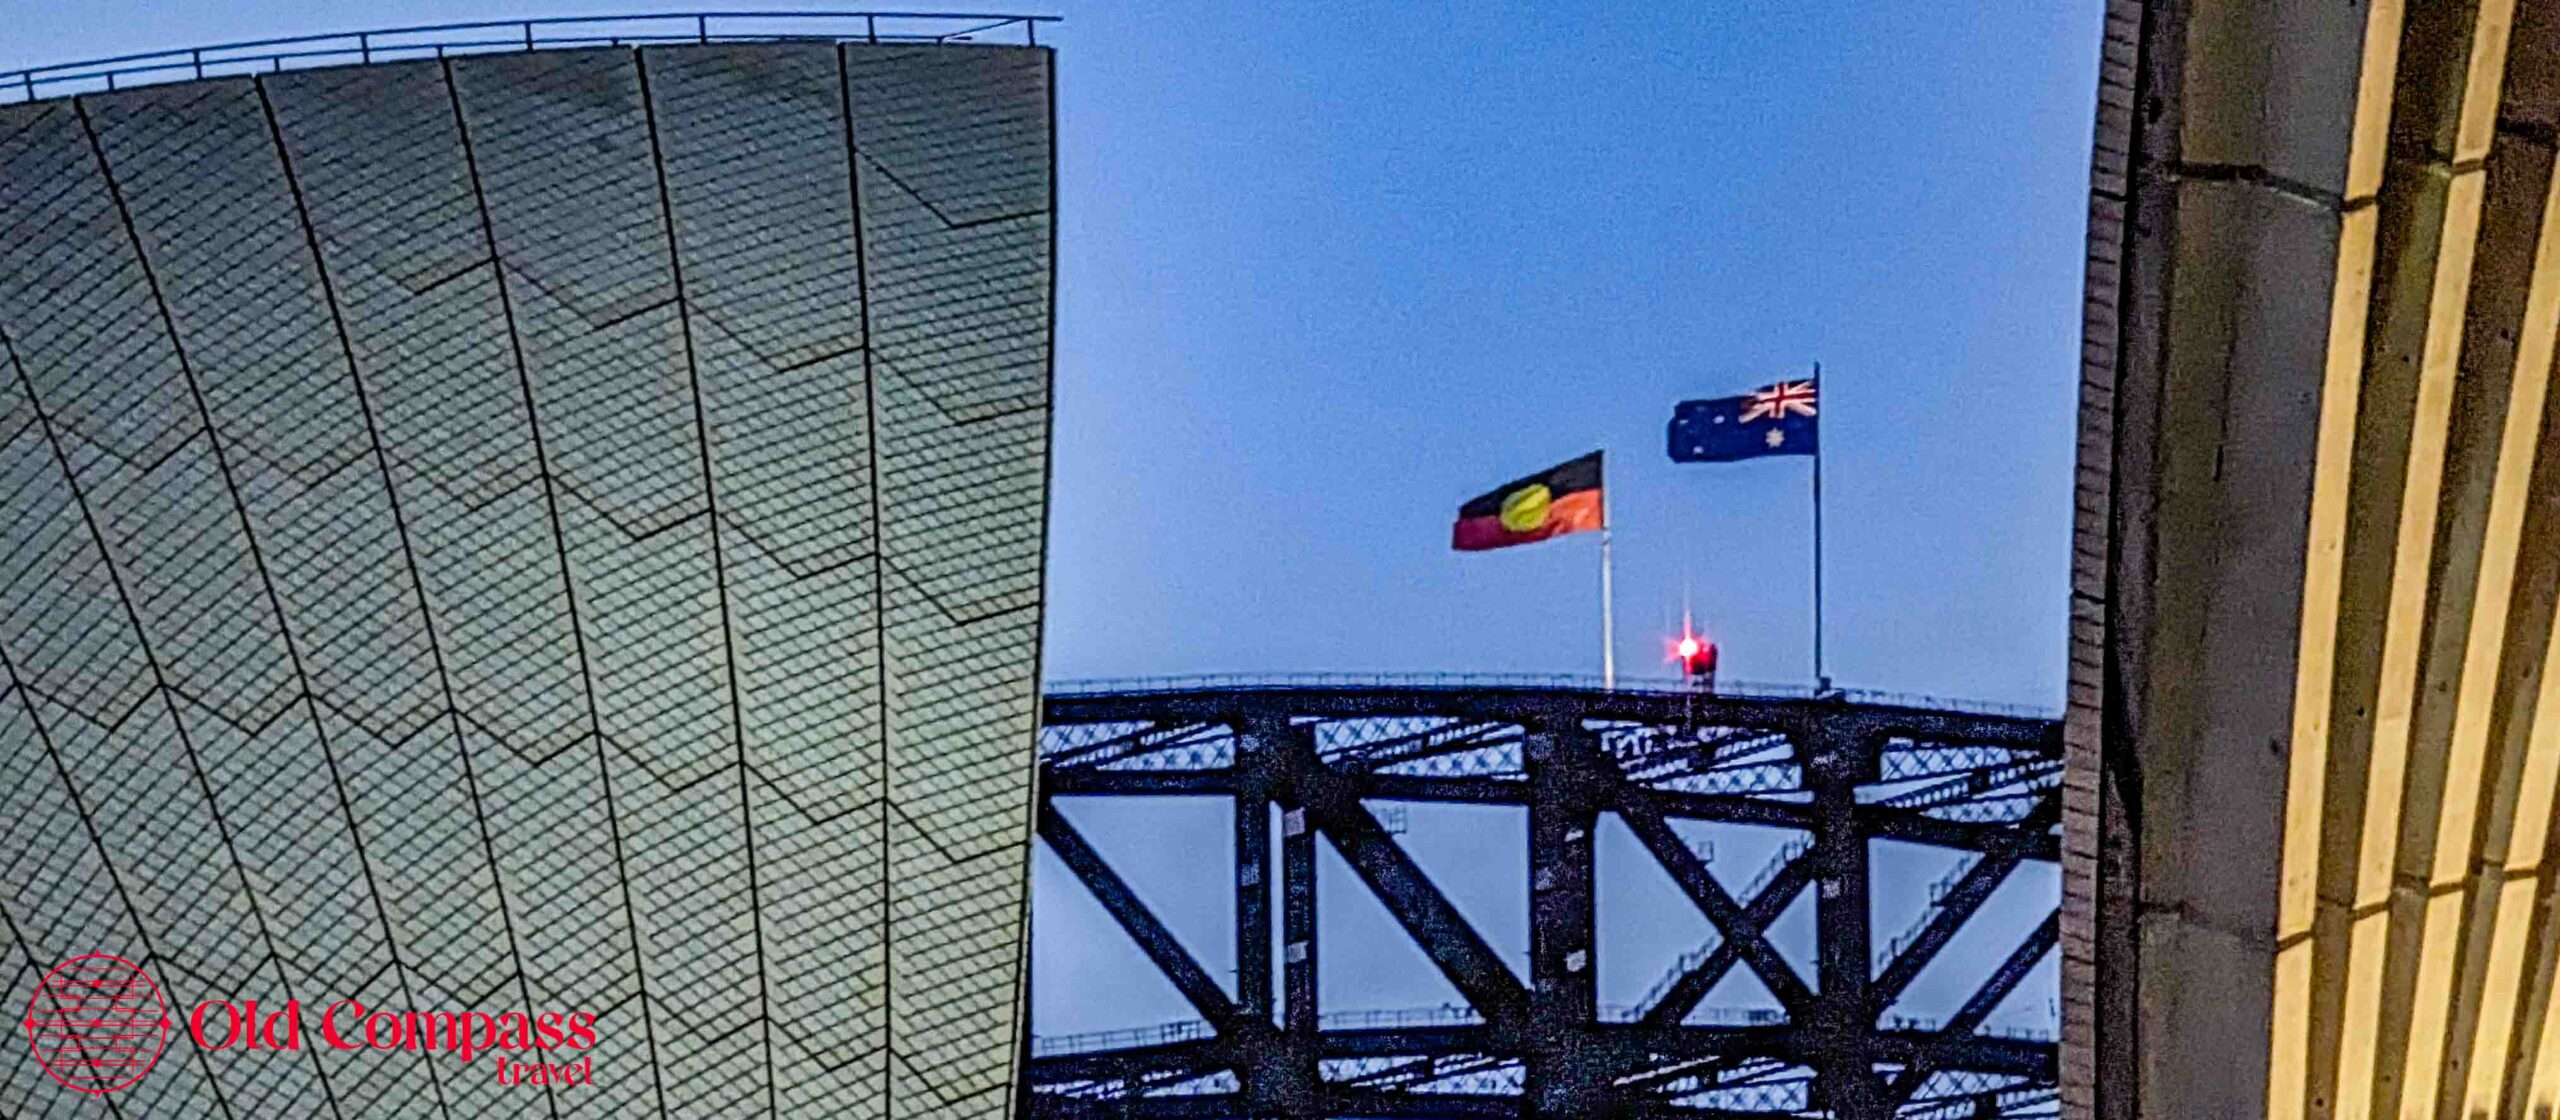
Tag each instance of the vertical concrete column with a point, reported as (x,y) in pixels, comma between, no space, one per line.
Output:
(2309,595)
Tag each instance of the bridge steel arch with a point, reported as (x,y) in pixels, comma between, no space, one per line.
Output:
(1312,761)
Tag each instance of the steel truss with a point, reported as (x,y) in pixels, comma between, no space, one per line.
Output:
(1840,773)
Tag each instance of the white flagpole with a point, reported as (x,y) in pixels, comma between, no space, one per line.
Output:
(1821,681)
(1608,604)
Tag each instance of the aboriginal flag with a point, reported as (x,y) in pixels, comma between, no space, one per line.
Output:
(1551,503)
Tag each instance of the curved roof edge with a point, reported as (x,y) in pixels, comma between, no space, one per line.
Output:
(359,48)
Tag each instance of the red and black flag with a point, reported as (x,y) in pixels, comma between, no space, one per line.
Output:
(1551,503)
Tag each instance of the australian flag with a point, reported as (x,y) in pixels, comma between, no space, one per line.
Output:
(1770,420)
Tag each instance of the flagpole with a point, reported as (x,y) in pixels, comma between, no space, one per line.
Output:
(1821,682)
(1608,603)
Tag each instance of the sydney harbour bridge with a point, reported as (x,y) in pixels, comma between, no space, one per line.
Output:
(2307,776)
(1316,761)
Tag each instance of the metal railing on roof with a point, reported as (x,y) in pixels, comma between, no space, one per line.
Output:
(263,56)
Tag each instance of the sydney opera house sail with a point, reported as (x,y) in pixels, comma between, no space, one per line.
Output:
(532,535)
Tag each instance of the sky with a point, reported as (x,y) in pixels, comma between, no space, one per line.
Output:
(1324,274)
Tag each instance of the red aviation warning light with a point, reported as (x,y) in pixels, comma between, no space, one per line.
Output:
(1697,658)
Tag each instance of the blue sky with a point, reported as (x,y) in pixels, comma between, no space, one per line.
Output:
(1323,278)
(1324,274)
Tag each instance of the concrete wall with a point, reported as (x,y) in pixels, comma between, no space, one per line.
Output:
(2319,548)
(556,531)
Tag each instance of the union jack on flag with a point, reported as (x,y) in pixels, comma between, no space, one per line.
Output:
(1779,401)
(1770,420)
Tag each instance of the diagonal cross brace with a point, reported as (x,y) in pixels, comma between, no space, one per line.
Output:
(1762,912)
(1967,896)
(2006,978)
(1333,805)
(1635,806)
(1141,924)
(2003,980)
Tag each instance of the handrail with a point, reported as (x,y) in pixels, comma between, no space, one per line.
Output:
(1192,1030)
(442,40)
(1454,1015)
(1744,690)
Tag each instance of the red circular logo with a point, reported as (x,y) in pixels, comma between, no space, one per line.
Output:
(97,1023)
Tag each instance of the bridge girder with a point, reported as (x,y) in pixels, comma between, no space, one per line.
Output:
(1843,774)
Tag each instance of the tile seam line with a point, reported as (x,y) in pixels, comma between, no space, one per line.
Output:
(275,602)
(560,547)
(719,572)
(186,370)
(88,825)
(875,428)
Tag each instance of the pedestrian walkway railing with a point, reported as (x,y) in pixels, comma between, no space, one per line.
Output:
(1744,690)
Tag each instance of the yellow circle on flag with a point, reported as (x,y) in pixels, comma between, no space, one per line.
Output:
(1524,509)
